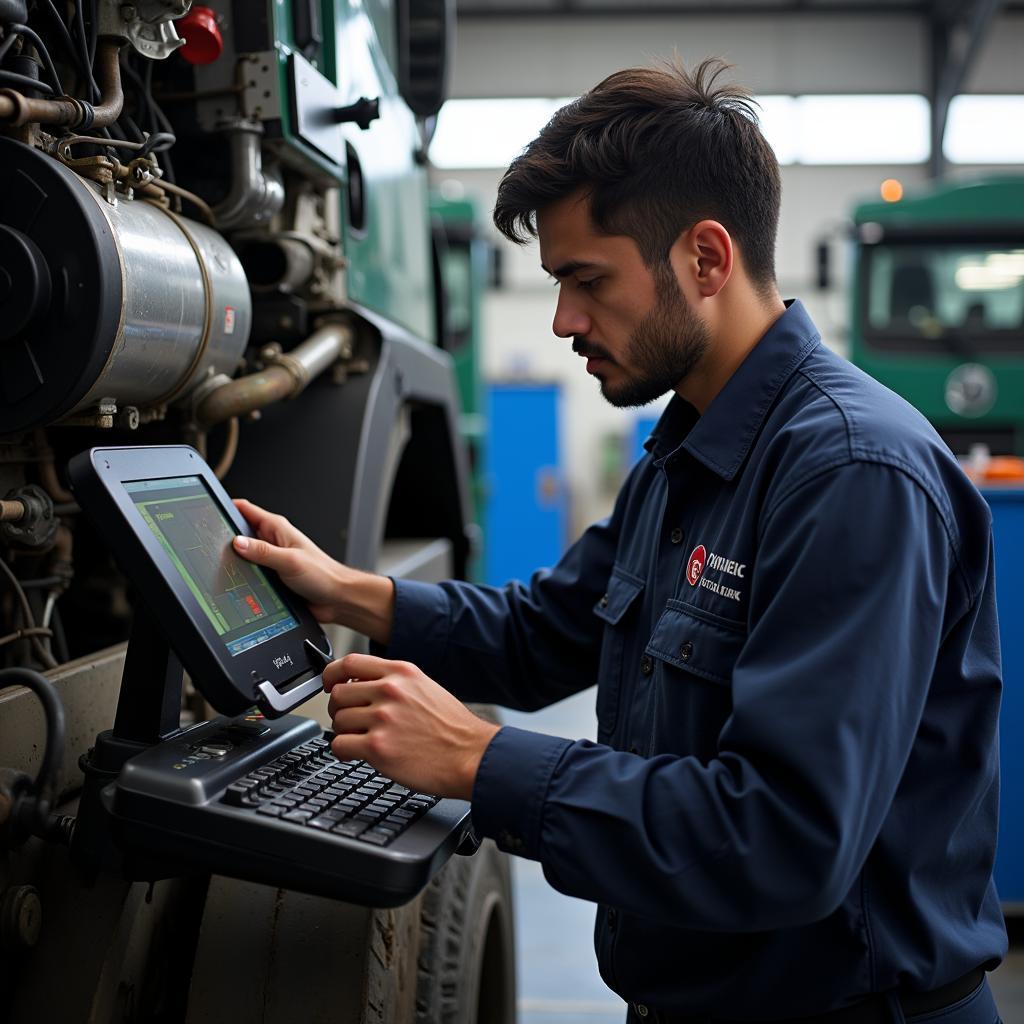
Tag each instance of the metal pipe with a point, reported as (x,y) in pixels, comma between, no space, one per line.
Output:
(256,194)
(291,373)
(12,511)
(17,110)
(230,450)
(48,471)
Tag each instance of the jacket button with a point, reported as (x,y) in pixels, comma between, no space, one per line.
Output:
(676,536)
(613,918)
(685,650)
(604,601)
(641,1010)
(646,665)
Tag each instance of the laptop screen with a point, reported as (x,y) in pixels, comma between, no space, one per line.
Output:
(235,595)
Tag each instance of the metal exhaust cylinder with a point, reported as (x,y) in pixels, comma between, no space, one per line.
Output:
(99,303)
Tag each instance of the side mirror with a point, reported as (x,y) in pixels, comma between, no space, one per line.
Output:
(426,43)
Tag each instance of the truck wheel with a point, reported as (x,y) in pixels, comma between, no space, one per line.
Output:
(466,972)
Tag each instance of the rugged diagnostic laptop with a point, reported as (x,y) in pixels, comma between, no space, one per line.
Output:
(258,795)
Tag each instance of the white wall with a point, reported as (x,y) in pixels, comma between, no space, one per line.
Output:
(564,56)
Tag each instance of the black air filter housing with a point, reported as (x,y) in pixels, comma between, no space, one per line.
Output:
(60,288)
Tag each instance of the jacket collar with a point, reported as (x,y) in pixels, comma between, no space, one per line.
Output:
(721,438)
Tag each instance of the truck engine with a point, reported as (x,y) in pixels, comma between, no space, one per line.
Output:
(215,230)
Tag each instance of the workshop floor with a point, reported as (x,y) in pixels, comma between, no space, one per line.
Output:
(558,978)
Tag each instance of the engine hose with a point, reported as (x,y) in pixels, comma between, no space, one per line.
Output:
(31,806)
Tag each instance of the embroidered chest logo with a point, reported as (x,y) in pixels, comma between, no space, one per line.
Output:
(695,566)
(700,559)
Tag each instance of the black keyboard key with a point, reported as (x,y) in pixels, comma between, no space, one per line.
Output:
(271,810)
(323,823)
(376,836)
(299,816)
(350,828)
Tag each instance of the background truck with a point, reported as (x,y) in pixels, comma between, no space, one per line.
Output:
(215,229)
(937,308)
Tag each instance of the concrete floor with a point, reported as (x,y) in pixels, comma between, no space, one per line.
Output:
(558,978)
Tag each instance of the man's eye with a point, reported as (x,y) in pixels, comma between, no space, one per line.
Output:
(589,284)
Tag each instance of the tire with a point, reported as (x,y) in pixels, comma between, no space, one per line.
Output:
(466,971)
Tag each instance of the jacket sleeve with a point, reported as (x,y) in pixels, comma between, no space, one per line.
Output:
(848,609)
(521,646)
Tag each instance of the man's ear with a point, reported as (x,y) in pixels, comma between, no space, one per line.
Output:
(702,258)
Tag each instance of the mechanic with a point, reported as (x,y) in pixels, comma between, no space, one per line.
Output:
(790,812)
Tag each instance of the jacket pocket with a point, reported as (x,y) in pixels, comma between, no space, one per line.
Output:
(698,642)
(617,609)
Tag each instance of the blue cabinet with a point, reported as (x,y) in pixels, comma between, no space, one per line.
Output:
(526,500)
(1007,506)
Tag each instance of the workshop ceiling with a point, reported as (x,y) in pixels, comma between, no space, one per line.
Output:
(938,10)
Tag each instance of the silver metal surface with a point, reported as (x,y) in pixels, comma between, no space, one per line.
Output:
(146,24)
(167,264)
(257,193)
(256,73)
(322,348)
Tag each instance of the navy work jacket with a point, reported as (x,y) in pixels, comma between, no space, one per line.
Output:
(791,621)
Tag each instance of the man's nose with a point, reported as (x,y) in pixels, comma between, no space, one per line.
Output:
(569,320)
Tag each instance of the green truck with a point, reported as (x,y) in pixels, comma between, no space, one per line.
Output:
(938,307)
(215,229)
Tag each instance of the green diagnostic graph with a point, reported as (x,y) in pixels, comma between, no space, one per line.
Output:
(235,595)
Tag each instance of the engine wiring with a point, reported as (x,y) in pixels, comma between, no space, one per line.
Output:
(145,124)
(33,800)
(31,630)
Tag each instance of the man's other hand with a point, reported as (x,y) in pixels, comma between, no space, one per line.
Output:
(406,725)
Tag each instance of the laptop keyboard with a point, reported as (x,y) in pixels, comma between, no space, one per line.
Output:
(310,786)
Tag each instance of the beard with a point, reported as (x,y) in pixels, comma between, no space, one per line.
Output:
(662,350)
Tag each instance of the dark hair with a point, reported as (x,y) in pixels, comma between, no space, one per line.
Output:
(657,150)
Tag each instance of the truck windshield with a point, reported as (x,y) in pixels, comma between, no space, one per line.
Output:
(937,296)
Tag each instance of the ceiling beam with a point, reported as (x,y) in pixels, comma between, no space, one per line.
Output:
(581,8)
(468,10)
(955,42)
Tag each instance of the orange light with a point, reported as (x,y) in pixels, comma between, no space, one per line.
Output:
(892,190)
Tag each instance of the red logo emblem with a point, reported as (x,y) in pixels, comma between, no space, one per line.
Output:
(695,565)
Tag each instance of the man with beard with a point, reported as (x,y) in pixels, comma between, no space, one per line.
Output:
(790,812)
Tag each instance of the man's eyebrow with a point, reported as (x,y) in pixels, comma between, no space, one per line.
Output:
(568,268)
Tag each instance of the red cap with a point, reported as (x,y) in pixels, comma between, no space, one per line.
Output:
(203,41)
